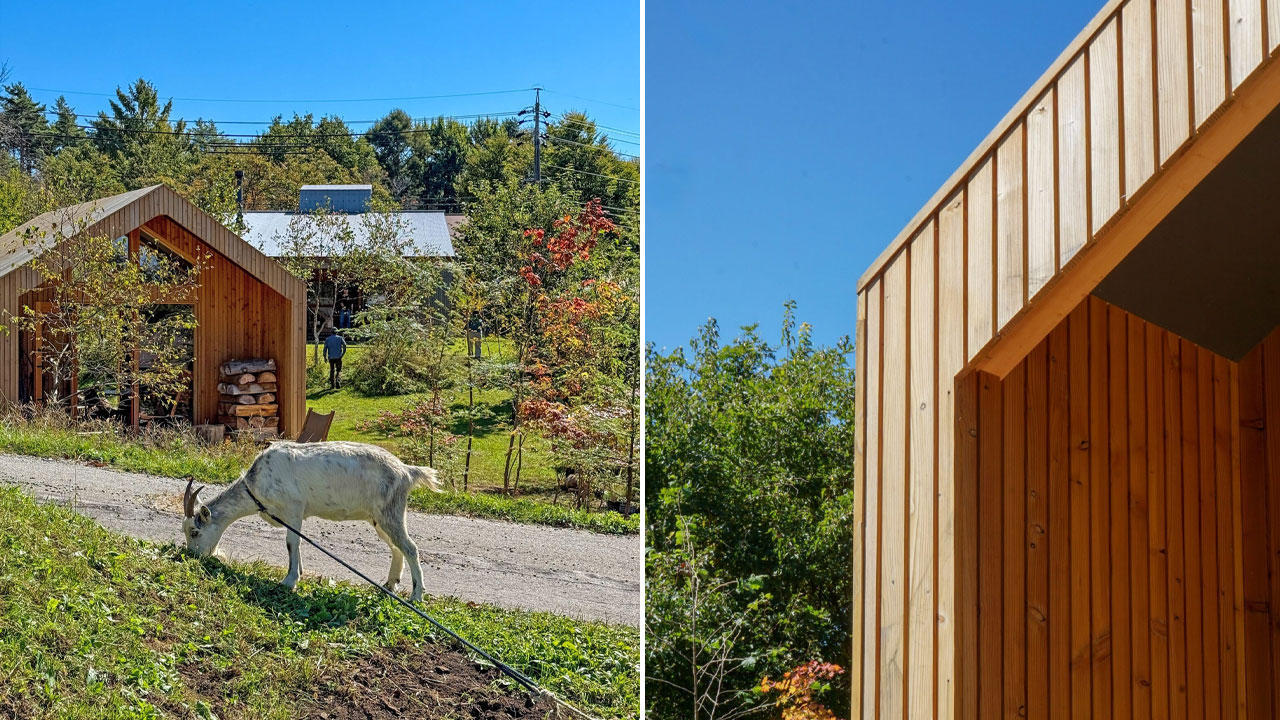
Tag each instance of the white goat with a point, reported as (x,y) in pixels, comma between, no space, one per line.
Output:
(332,480)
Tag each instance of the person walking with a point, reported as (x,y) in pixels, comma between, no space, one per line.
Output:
(335,346)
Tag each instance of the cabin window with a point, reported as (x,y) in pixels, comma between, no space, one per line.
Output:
(158,262)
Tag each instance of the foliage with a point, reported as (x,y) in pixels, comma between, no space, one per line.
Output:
(749,452)
(98,625)
(797,687)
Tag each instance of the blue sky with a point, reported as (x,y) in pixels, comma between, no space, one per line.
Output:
(787,144)
(323,50)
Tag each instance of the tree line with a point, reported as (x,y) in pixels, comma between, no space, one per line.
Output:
(425,163)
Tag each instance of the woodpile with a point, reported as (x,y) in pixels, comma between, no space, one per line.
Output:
(247,401)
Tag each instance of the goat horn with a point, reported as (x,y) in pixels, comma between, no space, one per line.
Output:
(187,505)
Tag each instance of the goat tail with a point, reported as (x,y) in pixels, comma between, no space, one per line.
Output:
(426,477)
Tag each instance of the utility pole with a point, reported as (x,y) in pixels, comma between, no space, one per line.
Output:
(537,135)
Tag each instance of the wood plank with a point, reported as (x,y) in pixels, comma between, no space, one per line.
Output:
(1225,526)
(1246,24)
(969,648)
(1209,59)
(1042,232)
(981,262)
(1104,127)
(1014,558)
(1010,201)
(1237,589)
(874,481)
(1175,526)
(1271,381)
(1213,661)
(1173,102)
(1157,519)
(1198,705)
(1273,26)
(1118,394)
(950,361)
(1036,534)
(857,617)
(1073,167)
(1253,486)
(1139,578)
(1069,388)
(1100,543)
(991,540)
(1139,106)
(922,473)
(894,446)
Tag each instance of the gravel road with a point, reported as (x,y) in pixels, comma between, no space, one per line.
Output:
(530,567)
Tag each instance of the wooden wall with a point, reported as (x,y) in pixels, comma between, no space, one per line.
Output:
(238,317)
(1127,120)
(243,289)
(1123,536)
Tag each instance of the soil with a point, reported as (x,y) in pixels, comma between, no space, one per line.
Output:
(406,682)
(569,572)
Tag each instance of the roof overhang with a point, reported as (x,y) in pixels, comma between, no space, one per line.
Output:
(120,214)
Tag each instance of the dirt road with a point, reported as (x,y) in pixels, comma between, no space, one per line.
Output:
(529,567)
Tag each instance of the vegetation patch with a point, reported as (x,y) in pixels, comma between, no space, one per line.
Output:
(94,625)
(177,453)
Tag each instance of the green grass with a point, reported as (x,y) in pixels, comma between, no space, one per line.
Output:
(96,625)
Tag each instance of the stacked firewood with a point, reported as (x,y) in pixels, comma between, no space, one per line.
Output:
(248,397)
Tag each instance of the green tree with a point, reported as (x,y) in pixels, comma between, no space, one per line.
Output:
(389,138)
(139,138)
(24,132)
(66,129)
(749,452)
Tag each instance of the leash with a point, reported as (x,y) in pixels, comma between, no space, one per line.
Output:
(511,672)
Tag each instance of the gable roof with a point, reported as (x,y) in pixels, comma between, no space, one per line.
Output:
(119,214)
(428,231)
(1133,115)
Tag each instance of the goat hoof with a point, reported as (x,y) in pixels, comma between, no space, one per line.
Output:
(390,586)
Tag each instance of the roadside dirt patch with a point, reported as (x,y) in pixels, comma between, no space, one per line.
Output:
(405,682)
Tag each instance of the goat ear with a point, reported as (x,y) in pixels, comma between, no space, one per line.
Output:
(204,513)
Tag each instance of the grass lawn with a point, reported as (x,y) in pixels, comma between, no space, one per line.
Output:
(96,625)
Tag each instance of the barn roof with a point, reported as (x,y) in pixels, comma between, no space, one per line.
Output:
(119,214)
(428,231)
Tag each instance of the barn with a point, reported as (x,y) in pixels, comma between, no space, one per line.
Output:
(1068,474)
(246,306)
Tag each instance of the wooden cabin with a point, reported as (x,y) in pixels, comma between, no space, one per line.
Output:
(1068,476)
(246,305)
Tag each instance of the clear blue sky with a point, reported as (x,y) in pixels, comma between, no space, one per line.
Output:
(318,50)
(787,144)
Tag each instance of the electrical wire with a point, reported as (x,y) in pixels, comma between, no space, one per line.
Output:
(324,100)
(585,172)
(554,139)
(564,118)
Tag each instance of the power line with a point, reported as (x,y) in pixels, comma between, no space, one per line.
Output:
(555,139)
(266,134)
(585,172)
(321,100)
(564,117)
(425,118)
